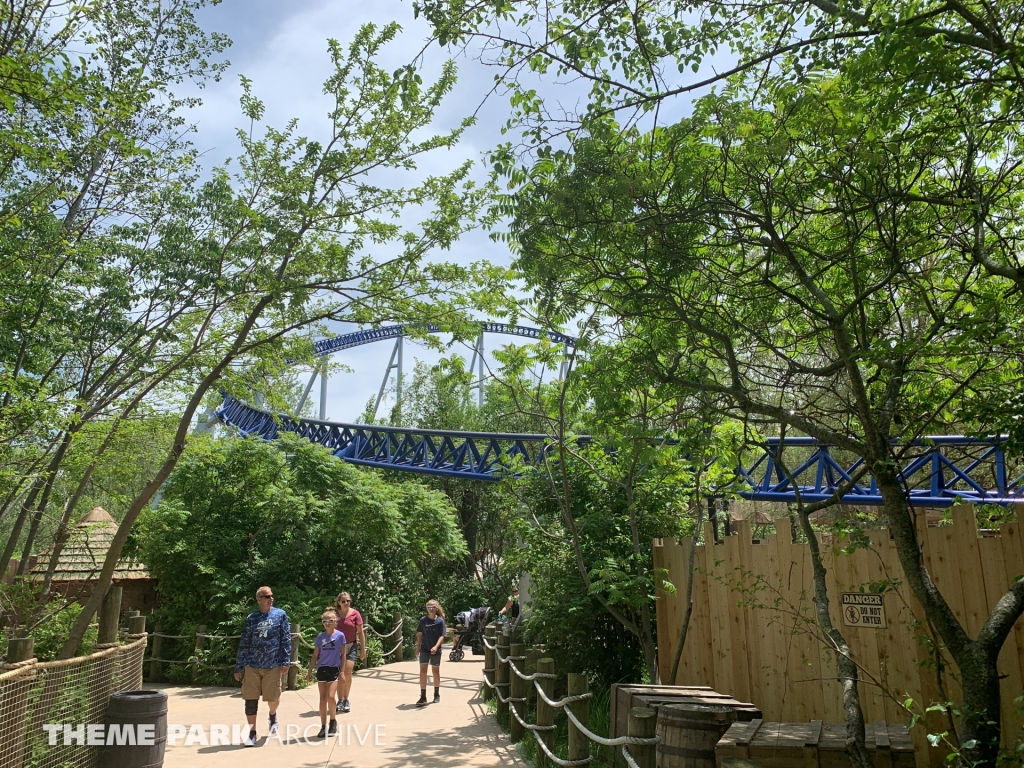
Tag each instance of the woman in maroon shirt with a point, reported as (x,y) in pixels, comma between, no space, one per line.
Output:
(350,622)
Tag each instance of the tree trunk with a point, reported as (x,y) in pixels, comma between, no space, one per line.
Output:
(856,746)
(92,605)
(981,707)
(19,523)
(980,730)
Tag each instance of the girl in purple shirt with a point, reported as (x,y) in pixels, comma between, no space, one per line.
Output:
(328,651)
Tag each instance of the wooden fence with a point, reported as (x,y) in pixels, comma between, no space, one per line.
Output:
(753,635)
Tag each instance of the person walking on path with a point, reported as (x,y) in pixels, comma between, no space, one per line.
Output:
(264,653)
(512,606)
(350,622)
(429,637)
(328,650)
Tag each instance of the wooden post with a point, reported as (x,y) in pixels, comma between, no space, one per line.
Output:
(579,744)
(489,662)
(518,690)
(137,625)
(200,631)
(501,672)
(545,713)
(155,671)
(15,696)
(110,612)
(532,654)
(20,649)
(293,669)
(399,636)
(643,723)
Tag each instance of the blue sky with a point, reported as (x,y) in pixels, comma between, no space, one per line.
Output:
(282,48)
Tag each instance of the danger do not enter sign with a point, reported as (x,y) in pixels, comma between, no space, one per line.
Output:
(863,609)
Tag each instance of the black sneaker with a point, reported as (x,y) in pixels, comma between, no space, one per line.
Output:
(437,697)
(322,732)
(332,729)
(423,700)
(340,707)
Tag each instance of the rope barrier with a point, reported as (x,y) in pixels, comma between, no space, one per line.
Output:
(561,702)
(19,664)
(629,758)
(210,666)
(218,637)
(534,676)
(620,741)
(398,626)
(171,637)
(526,725)
(559,761)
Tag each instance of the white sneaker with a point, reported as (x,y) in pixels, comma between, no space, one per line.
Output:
(250,741)
(273,728)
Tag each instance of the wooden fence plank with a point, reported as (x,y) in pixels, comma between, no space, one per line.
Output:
(760,654)
(718,600)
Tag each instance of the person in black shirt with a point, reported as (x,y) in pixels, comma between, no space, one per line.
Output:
(429,637)
(512,606)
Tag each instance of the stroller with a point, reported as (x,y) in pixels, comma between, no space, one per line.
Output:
(469,629)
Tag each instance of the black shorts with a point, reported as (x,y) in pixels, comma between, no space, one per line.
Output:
(426,657)
(326,674)
(353,652)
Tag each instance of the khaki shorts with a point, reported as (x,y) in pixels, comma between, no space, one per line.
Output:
(261,682)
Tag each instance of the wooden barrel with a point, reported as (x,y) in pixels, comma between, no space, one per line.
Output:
(689,733)
(126,712)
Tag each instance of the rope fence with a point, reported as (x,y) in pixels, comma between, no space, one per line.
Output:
(510,686)
(70,692)
(199,657)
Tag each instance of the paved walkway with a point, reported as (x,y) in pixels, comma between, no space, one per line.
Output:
(384,729)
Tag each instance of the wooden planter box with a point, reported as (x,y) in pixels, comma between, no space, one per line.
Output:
(806,745)
(624,696)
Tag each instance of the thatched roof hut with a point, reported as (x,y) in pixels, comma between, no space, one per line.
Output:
(81,561)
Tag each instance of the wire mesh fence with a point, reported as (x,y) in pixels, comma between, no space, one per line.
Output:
(67,697)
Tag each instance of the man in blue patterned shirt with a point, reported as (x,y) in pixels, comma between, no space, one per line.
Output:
(264,653)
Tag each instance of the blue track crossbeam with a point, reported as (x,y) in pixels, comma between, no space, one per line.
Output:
(936,471)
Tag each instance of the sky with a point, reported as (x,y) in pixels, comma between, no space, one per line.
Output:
(282,48)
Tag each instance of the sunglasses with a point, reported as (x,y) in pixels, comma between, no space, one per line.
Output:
(431,607)
(329,621)
(342,602)
(264,597)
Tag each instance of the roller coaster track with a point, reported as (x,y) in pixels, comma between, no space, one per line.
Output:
(936,471)
(359,338)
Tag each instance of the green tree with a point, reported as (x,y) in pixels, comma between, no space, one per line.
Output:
(294,239)
(237,513)
(801,262)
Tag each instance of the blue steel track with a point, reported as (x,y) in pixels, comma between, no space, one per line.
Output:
(936,471)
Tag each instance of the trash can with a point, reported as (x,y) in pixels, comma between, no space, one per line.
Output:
(136,730)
